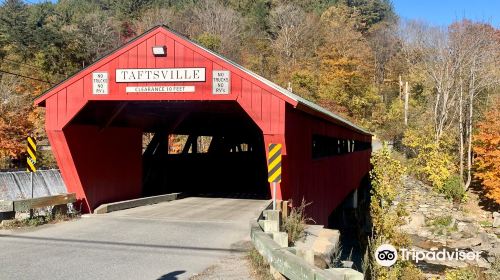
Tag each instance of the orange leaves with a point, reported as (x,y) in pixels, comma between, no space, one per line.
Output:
(487,150)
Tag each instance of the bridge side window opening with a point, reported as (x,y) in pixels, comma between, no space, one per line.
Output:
(325,146)
(200,144)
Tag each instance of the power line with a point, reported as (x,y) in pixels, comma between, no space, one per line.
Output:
(26,77)
(20,63)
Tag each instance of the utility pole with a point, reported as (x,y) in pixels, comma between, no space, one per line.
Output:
(407,93)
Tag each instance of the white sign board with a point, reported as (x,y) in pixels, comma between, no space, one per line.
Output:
(159,89)
(160,75)
(100,83)
(220,81)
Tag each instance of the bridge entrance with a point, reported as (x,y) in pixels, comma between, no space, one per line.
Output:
(208,148)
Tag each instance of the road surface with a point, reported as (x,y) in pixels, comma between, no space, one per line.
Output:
(171,240)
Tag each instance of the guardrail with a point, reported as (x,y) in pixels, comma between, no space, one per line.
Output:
(284,259)
(9,208)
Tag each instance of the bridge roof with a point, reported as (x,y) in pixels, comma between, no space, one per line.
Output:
(293,99)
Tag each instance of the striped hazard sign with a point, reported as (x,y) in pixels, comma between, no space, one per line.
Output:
(31,159)
(274,163)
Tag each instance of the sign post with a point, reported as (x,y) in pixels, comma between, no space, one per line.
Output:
(274,168)
(31,161)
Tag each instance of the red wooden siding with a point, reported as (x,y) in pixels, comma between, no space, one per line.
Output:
(93,159)
(325,181)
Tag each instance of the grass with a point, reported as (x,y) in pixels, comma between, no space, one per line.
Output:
(443,221)
(259,266)
(39,219)
(296,222)
(485,223)
(443,225)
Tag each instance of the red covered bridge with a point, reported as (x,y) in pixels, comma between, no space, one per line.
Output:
(111,129)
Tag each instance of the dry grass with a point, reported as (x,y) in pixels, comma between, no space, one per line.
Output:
(259,266)
(296,222)
(40,219)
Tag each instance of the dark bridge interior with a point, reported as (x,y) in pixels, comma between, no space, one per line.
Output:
(200,147)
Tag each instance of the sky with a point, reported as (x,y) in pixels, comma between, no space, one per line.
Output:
(444,12)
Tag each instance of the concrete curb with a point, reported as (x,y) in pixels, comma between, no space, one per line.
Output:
(286,262)
(126,204)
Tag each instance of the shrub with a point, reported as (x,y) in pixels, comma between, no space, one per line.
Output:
(296,222)
(433,162)
(453,189)
(387,180)
(442,221)
(465,273)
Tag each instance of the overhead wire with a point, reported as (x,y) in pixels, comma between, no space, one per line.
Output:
(26,77)
(22,63)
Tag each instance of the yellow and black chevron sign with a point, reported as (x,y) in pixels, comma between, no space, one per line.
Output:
(31,159)
(274,163)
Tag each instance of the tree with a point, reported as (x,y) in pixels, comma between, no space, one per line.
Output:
(153,17)
(14,28)
(487,150)
(220,21)
(430,49)
(290,33)
(479,59)
(346,67)
(15,123)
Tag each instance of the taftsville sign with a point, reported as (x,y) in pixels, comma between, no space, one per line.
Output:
(155,75)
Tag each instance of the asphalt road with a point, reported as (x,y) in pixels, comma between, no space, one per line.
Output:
(172,240)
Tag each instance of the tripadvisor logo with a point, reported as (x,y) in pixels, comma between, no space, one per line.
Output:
(387,255)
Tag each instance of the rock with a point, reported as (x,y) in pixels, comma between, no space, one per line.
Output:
(496,220)
(424,233)
(416,221)
(461,226)
(465,243)
(495,251)
(487,238)
(455,235)
(483,263)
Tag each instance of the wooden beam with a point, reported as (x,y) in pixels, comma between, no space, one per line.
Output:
(39,202)
(6,206)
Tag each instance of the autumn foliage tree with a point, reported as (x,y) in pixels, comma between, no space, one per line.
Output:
(487,150)
(16,119)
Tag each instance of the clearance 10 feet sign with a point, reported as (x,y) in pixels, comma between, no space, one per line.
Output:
(220,80)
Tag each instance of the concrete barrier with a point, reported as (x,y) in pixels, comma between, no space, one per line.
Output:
(285,261)
(126,204)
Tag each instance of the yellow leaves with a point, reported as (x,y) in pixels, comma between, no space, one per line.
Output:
(433,161)
(487,150)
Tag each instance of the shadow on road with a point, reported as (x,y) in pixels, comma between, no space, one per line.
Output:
(156,246)
(171,275)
